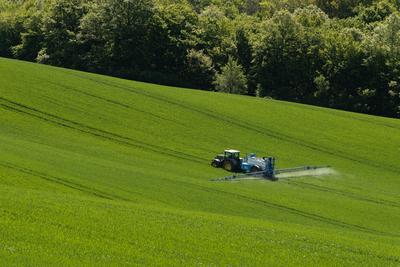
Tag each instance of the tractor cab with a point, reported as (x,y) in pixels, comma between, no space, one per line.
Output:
(232,154)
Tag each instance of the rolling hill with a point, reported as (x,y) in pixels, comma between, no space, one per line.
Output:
(99,170)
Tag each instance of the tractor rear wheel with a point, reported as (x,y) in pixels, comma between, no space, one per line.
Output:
(228,165)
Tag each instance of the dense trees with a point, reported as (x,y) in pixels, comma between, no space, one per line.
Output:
(339,53)
(281,60)
(120,37)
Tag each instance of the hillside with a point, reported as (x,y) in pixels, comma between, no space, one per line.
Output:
(99,170)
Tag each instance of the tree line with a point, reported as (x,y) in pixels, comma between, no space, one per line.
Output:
(342,53)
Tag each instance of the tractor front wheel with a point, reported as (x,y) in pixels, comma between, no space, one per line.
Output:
(214,164)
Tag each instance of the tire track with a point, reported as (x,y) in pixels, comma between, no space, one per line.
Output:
(343,115)
(270,204)
(287,209)
(240,124)
(16,107)
(77,186)
(269,133)
(64,182)
(344,193)
(117,103)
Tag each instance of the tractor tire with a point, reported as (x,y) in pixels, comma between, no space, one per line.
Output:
(214,164)
(228,166)
(255,169)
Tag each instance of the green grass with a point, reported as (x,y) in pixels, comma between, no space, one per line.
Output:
(97,170)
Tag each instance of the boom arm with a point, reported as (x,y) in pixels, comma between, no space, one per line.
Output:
(301,171)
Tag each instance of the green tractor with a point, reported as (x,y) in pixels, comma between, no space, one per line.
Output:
(230,161)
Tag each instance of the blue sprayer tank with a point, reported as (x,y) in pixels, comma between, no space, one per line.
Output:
(269,167)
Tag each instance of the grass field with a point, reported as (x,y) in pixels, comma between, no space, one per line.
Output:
(97,170)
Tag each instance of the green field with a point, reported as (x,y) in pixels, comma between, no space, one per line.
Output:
(98,170)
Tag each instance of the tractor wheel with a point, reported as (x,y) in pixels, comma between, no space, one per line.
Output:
(273,178)
(254,169)
(228,165)
(214,164)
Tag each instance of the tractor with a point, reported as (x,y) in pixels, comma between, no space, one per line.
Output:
(231,161)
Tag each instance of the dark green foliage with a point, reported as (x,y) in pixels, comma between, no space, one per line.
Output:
(340,53)
(270,7)
(216,34)
(60,33)
(244,49)
(378,11)
(244,54)
(282,62)
(383,61)
(341,8)
(199,67)
(10,29)
(32,38)
(231,79)
(175,36)
(119,35)
(343,68)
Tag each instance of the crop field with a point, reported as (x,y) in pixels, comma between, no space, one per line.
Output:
(96,170)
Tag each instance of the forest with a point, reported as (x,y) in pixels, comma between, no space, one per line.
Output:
(342,54)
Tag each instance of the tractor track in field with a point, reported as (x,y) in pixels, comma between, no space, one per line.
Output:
(246,126)
(120,139)
(97,193)
(73,185)
(50,118)
(61,181)
(342,115)
(288,209)
(117,103)
(344,193)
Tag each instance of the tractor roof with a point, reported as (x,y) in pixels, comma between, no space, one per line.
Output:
(232,151)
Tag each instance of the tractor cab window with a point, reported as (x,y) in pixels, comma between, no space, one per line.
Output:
(231,155)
